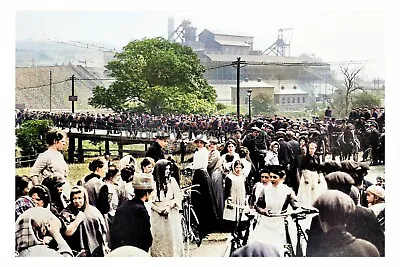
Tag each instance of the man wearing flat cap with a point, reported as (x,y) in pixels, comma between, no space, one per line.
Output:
(155,151)
(361,183)
(361,223)
(131,226)
(256,143)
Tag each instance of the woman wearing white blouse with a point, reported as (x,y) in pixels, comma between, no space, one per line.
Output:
(204,204)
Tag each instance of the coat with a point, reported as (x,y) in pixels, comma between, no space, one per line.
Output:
(361,224)
(131,226)
(155,152)
(342,244)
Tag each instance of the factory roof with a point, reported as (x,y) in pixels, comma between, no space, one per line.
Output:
(253,84)
(258,58)
(231,42)
(225,33)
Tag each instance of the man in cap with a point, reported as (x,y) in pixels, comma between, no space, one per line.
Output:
(362,223)
(373,142)
(155,151)
(360,182)
(131,226)
(293,174)
(256,143)
(237,136)
(286,158)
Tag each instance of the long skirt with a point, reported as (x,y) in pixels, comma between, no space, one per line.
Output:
(271,230)
(218,188)
(204,204)
(167,235)
(309,192)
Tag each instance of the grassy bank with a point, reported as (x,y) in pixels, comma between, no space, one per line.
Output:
(79,170)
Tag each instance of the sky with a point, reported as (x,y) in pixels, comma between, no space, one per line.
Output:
(332,34)
(340,30)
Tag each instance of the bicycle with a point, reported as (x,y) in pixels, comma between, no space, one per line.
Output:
(297,215)
(189,221)
(240,234)
(367,155)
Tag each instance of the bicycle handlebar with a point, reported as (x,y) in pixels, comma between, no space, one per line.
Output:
(295,213)
(189,187)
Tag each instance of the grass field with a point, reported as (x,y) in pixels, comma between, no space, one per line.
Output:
(79,170)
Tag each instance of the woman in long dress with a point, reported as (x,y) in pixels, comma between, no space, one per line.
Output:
(235,194)
(274,199)
(165,219)
(215,171)
(312,184)
(204,204)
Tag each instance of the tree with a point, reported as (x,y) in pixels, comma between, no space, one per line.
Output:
(263,103)
(366,99)
(161,76)
(350,87)
(31,136)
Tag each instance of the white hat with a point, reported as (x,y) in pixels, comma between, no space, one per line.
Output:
(202,138)
(377,191)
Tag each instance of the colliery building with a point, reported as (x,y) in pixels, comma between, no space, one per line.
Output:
(295,81)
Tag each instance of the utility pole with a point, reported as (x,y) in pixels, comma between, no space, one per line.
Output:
(238,62)
(50,91)
(73,94)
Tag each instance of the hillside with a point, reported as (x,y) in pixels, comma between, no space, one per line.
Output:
(39,98)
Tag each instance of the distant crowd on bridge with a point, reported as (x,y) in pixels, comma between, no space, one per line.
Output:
(338,137)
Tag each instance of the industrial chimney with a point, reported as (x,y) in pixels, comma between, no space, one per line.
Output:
(171,29)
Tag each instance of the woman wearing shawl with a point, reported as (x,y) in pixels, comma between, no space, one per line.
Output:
(215,171)
(34,230)
(85,227)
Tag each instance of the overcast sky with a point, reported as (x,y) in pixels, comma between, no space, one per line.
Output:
(334,30)
(334,34)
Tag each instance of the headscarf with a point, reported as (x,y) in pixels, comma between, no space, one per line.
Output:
(31,227)
(257,249)
(94,226)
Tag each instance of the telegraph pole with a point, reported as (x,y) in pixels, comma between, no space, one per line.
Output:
(50,91)
(73,94)
(238,62)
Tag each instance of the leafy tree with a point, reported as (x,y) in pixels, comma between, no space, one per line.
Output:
(31,136)
(160,76)
(263,103)
(366,99)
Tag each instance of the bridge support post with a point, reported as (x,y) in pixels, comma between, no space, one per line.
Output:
(80,151)
(71,149)
(120,152)
(107,147)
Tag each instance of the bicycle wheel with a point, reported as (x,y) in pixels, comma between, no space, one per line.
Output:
(195,226)
(185,237)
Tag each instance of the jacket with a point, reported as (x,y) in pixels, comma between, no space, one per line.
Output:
(340,243)
(362,223)
(131,226)
(155,152)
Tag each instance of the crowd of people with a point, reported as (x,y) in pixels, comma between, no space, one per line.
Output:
(269,165)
